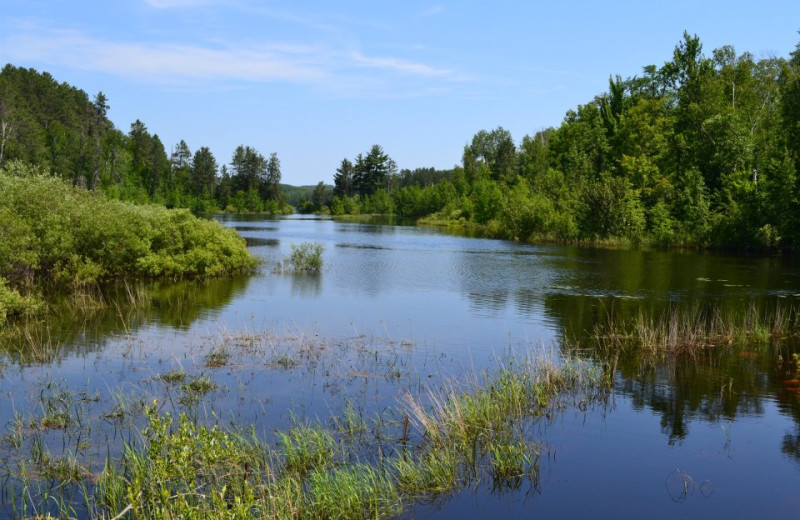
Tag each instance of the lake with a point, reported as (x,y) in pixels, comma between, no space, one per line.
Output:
(402,308)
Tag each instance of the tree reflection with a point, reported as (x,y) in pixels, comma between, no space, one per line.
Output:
(122,309)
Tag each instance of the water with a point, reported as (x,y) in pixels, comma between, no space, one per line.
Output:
(397,307)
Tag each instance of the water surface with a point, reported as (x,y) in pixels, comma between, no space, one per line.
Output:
(397,308)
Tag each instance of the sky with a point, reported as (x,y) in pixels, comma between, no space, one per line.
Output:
(318,81)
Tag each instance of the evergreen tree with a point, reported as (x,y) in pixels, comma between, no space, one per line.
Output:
(343,179)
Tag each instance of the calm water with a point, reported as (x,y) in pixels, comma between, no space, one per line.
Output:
(398,307)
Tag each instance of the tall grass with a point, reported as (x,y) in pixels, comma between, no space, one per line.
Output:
(688,330)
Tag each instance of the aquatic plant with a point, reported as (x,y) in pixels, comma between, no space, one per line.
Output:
(691,329)
(218,357)
(177,468)
(353,464)
(304,258)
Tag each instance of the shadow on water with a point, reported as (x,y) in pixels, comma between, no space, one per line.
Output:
(80,327)
(259,241)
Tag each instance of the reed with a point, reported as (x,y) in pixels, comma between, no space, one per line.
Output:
(689,330)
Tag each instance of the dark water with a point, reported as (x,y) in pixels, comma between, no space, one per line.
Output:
(396,307)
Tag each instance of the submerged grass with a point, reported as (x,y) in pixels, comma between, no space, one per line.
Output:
(351,468)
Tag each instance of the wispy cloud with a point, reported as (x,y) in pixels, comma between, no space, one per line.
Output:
(337,68)
(165,62)
(398,65)
(433,11)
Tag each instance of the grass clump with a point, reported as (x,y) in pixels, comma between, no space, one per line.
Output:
(284,361)
(219,357)
(355,491)
(483,430)
(306,447)
(195,389)
(173,376)
(304,258)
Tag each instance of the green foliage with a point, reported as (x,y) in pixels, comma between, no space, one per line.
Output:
(305,448)
(58,235)
(530,215)
(57,127)
(174,466)
(487,200)
(700,152)
(184,471)
(611,209)
(14,304)
(304,258)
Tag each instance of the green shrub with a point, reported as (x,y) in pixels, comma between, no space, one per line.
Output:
(305,257)
(13,303)
(56,235)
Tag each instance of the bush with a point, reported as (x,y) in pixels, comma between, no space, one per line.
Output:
(58,235)
(12,303)
(305,257)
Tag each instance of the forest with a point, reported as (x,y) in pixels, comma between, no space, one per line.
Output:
(55,126)
(702,151)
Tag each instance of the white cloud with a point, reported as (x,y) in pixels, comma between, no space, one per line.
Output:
(165,62)
(398,65)
(326,66)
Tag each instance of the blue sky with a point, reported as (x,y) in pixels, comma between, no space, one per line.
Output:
(318,81)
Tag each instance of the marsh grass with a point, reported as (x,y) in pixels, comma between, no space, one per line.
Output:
(354,466)
(194,389)
(357,463)
(284,361)
(483,428)
(218,357)
(691,330)
(173,376)
(29,341)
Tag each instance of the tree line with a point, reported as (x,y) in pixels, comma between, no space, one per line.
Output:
(57,127)
(702,151)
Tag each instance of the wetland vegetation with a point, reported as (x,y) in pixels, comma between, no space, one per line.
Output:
(58,237)
(184,406)
(189,463)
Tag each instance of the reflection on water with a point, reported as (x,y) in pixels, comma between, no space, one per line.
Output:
(258,241)
(120,311)
(729,413)
(306,284)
